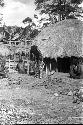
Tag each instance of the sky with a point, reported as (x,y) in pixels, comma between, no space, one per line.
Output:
(15,11)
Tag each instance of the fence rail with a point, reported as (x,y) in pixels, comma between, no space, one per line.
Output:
(11,64)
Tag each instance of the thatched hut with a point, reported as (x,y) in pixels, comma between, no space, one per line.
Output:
(61,41)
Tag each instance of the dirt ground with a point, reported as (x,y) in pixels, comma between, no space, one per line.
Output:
(55,99)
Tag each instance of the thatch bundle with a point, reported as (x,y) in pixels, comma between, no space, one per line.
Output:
(64,38)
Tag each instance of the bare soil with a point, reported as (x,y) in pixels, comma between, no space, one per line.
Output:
(55,99)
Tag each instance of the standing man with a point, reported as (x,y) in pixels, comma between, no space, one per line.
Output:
(37,72)
(41,68)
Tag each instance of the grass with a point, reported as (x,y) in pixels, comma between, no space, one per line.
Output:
(45,102)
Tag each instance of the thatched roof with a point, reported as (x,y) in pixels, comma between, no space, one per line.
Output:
(65,38)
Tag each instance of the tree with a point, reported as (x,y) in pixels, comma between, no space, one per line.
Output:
(63,8)
(29,31)
(27,20)
(1,3)
(35,16)
(30,22)
(34,33)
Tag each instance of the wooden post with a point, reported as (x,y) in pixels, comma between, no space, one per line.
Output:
(28,63)
(56,65)
(9,63)
(46,70)
(20,56)
(82,45)
(14,59)
(50,67)
(25,47)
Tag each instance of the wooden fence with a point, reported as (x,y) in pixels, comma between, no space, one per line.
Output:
(11,64)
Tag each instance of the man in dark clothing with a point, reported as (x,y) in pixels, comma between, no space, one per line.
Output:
(32,68)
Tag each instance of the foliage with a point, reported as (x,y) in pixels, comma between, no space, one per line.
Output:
(35,16)
(29,31)
(27,20)
(14,32)
(26,31)
(62,8)
(2,3)
(34,33)
(11,32)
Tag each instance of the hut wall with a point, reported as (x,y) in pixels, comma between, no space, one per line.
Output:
(48,62)
(64,64)
(74,60)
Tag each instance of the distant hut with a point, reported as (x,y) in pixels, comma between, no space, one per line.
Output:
(61,42)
